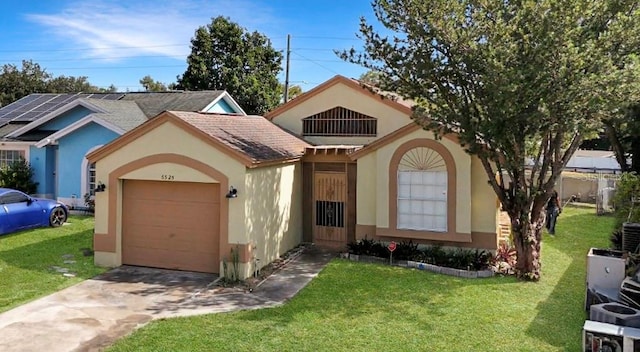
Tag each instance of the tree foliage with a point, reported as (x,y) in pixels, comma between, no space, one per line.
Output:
(372,78)
(151,85)
(227,56)
(626,200)
(294,91)
(622,129)
(18,175)
(16,83)
(514,80)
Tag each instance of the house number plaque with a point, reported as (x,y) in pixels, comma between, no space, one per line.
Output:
(167,177)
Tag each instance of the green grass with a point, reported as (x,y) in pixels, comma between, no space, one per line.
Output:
(27,258)
(366,307)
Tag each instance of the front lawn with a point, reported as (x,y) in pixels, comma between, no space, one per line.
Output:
(33,262)
(367,307)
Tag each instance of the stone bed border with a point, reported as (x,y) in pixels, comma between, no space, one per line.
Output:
(468,274)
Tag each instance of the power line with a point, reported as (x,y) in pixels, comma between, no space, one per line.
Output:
(316,63)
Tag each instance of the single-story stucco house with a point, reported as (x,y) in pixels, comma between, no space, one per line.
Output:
(334,165)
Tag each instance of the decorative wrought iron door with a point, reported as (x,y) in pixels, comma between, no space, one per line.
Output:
(330,198)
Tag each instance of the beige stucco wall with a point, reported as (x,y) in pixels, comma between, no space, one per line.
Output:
(367,190)
(273,211)
(485,212)
(389,119)
(166,138)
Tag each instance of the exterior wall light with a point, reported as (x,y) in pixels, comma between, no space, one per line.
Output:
(100,187)
(233,193)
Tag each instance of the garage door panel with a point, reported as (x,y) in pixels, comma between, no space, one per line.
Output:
(191,220)
(171,225)
(148,190)
(175,240)
(171,259)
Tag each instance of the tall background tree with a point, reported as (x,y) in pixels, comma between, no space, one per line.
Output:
(16,83)
(622,130)
(515,80)
(227,56)
(294,91)
(151,85)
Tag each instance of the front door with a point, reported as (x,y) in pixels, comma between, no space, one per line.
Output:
(330,210)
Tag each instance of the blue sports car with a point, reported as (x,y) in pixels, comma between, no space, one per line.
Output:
(19,211)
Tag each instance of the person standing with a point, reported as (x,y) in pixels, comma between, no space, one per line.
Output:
(553,210)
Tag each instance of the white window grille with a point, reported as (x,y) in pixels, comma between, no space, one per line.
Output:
(422,191)
(9,156)
(91,179)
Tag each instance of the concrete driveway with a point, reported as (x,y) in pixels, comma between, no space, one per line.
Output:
(93,314)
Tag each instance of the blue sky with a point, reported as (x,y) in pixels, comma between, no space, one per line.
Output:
(119,42)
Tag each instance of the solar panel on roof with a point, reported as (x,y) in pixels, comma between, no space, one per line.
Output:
(35,103)
(48,107)
(60,98)
(29,116)
(67,98)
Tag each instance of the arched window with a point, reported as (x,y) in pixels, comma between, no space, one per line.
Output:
(422,191)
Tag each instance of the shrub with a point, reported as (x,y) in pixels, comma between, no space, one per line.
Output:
(504,262)
(435,255)
(627,193)
(616,240)
(406,250)
(18,175)
(367,246)
(459,258)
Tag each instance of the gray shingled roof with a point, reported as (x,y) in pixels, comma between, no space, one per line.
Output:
(35,106)
(153,103)
(124,114)
(254,136)
(6,129)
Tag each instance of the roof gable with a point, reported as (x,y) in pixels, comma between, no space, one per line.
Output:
(37,105)
(62,110)
(252,140)
(223,101)
(399,105)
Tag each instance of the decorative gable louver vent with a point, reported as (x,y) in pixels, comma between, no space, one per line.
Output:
(340,122)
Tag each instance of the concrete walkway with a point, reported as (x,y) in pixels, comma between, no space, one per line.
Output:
(93,314)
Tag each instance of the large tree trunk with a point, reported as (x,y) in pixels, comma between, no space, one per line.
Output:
(527,235)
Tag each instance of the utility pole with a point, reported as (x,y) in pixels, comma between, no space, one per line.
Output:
(286,72)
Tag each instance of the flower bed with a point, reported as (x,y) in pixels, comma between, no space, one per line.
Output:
(470,263)
(470,274)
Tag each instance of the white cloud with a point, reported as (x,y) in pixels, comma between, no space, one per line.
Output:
(108,30)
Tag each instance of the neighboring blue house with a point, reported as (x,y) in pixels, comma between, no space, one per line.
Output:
(55,132)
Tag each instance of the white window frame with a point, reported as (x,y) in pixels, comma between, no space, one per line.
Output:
(422,200)
(5,160)
(85,182)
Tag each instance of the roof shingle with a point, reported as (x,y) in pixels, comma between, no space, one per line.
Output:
(254,136)
(153,103)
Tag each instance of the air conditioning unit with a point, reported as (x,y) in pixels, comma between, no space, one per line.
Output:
(631,237)
(601,337)
(630,293)
(605,273)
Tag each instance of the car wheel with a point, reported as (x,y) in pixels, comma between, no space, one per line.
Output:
(58,217)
